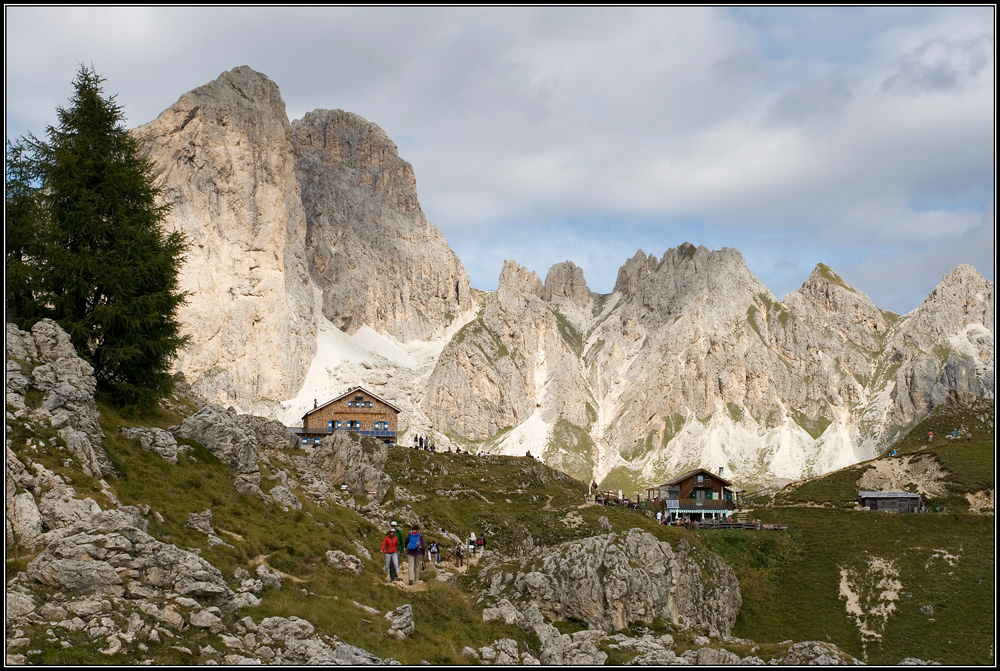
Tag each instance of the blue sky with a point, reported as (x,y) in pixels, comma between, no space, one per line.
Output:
(859,137)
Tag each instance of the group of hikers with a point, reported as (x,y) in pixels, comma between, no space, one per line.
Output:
(423,443)
(426,444)
(418,551)
(954,435)
(611,500)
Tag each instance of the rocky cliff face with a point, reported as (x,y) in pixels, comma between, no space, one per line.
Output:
(312,268)
(277,214)
(693,362)
(514,366)
(372,252)
(224,155)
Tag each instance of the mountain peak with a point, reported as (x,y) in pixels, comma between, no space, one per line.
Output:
(633,270)
(565,281)
(963,296)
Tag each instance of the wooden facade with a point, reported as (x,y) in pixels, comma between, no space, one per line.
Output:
(696,484)
(697,494)
(356,410)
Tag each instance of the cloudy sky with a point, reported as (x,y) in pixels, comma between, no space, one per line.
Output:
(859,137)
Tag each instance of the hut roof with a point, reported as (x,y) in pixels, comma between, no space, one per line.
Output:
(685,476)
(353,390)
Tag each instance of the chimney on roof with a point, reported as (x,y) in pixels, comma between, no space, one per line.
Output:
(315,404)
(720,470)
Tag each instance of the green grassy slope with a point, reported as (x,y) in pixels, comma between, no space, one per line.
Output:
(791,581)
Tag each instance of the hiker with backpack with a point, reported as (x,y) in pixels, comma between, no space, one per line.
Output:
(458,555)
(434,553)
(390,548)
(415,553)
(481,543)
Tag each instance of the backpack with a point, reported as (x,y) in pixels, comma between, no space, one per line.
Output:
(413,543)
(480,541)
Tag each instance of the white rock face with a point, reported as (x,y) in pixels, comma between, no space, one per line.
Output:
(693,362)
(224,155)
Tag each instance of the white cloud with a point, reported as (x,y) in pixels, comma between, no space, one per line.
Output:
(786,133)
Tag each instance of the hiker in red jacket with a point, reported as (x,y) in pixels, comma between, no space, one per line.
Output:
(390,548)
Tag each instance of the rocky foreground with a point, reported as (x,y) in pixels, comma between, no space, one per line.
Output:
(97,578)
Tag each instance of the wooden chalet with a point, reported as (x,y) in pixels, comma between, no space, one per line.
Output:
(697,495)
(356,410)
(895,502)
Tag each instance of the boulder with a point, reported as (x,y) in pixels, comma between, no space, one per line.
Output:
(201,522)
(503,652)
(816,653)
(282,496)
(401,621)
(154,440)
(344,562)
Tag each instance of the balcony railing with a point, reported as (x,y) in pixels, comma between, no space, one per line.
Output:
(701,504)
(326,431)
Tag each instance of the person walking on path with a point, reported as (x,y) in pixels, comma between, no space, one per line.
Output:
(434,553)
(415,553)
(472,543)
(458,555)
(481,543)
(390,548)
(399,534)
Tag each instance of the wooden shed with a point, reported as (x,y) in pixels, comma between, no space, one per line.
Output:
(356,410)
(895,502)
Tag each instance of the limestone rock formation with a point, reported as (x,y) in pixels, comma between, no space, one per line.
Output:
(373,254)
(517,364)
(237,440)
(693,362)
(611,581)
(356,461)
(48,383)
(156,441)
(224,156)
(945,348)
(401,622)
(221,432)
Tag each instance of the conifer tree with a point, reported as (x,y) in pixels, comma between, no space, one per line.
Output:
(24,220)
(108,273)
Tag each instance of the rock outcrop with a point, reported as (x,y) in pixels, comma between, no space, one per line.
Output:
(372,253)
(352,460)
(47,383)
(224,157)
(236,440)
(611,581)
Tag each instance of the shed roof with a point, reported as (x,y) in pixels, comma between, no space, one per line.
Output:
(353,390)
(864,494)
